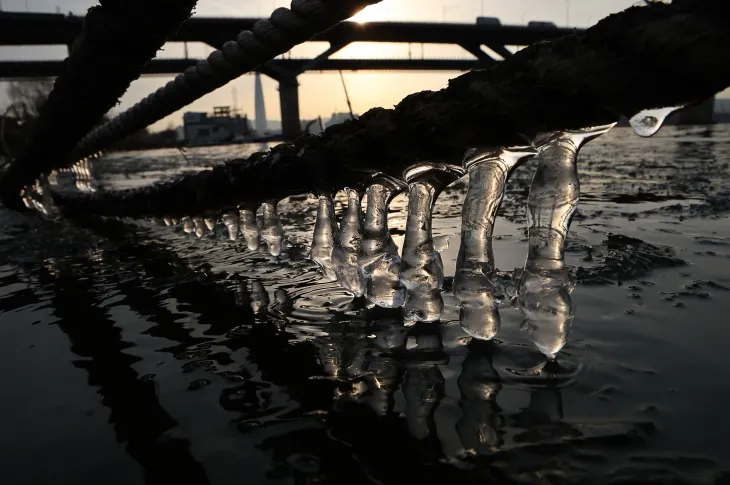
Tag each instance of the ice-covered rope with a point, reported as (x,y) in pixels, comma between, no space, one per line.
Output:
(267,39)
(645,57)
(118,38)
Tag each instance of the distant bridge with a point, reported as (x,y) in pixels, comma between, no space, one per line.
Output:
(166,67)
(26,29)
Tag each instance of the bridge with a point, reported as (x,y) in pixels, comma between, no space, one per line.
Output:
(26,29)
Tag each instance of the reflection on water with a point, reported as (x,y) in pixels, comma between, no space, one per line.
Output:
(209,362)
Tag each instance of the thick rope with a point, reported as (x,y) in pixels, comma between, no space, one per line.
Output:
(95,75)
(266,40)
(645,57)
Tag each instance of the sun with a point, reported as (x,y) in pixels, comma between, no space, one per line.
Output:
(368,14)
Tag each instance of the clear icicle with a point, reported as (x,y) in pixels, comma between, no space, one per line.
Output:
(422,271)
(323,240)
(647,122)
(272,231)
(479,384)
(249,228)
(489,170)
(347,245)
(210,223)
(378,260)
(545,286)
(188,225)
(232,224)
(200,229)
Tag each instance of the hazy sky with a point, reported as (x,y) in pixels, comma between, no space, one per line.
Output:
(322,93)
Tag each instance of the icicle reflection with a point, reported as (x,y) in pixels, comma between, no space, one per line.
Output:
(272,231)
(422,271)
(378,261)
(480,425)
(545,285)
(347,246)
(283,303)
(424,384)
(323,240)
(259,297)
(489,170)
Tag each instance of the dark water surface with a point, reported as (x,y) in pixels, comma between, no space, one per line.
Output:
(132,353)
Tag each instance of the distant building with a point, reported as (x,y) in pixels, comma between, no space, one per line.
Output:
(221,127)
(541,24)
(259,106)
(488,21)
(337,118)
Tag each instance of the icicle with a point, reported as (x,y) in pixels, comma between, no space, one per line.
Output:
(347,245)
(323,240)
(422,271)
(249,228)
(271,230)
(647,122)
(168,221)
(188,225)
(232,224)
(259,297)
(210,223)
(545,287)
(479,385)
(489,170)
(378,260)
(199,226)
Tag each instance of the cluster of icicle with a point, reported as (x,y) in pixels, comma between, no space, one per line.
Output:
(360,254)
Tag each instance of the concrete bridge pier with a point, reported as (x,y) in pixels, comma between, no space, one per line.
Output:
(291,127)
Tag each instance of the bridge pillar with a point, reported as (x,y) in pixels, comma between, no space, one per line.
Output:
(701,114)
(291,127)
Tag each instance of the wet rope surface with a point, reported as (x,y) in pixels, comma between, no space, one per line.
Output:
(118,38)
(645,57)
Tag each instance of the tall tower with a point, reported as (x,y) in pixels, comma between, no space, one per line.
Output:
(260,109)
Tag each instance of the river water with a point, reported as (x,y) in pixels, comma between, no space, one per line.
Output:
(135,353)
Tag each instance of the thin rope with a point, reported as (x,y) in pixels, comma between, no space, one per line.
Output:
(104,41)
(267,39)
(118,38)
(652,56)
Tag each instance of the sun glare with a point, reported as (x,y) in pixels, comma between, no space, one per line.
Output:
(363,16)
